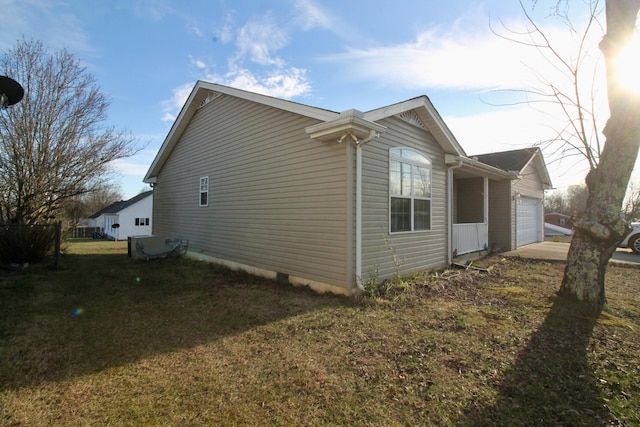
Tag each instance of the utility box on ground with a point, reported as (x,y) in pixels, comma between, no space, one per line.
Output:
(150,247)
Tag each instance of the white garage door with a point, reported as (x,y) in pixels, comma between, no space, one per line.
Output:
(528,220)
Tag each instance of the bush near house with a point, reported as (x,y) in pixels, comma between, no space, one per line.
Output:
(26,243)
(176,341)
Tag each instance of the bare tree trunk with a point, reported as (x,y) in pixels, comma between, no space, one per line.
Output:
(601,228)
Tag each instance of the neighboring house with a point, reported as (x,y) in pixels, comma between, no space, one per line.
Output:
(134,217)
(559,219)
(556,230)
(325,199)
(519,202)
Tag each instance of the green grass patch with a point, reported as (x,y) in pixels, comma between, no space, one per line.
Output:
(111,341)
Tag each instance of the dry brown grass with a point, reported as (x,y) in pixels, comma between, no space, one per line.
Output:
(179,342)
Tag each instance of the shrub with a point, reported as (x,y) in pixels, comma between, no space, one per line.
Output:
(26,243)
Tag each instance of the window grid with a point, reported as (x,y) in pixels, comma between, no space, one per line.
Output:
(409,191)
(204,191)
(142,221)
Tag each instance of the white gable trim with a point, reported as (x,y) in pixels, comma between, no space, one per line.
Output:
(205,92)
(429,117)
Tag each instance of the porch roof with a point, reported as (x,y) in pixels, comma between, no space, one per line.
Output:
(474,167)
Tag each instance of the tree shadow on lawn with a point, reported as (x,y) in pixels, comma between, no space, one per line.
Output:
(106,311)
(551,382)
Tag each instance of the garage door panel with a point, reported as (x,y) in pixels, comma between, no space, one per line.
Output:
(528,221)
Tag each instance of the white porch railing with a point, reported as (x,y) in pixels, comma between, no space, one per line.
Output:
(470,237)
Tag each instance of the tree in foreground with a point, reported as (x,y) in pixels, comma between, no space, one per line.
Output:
(54,145)
(599,230)
(601,226)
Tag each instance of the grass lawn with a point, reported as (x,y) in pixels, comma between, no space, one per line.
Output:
(111,341)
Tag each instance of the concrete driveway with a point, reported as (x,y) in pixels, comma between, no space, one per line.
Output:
(557,251)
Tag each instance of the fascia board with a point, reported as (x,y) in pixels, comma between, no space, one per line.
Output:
(334,129)
(429,115)
(198,95)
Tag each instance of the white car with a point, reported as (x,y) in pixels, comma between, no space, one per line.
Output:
(632,240)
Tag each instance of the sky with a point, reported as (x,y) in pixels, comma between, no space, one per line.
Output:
(146,56)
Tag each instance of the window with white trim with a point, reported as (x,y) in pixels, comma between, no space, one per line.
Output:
(409,191)
(204,191)
(142,221)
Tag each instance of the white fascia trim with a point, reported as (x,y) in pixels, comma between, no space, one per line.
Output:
(282,104)
(198,95)
(440,131)
(479,167)
(348,122)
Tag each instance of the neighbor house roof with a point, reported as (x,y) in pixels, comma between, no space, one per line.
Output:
(517,161)
(353,121)
(122,204)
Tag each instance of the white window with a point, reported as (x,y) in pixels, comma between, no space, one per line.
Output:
(409,191)
(142,221)
(204,191)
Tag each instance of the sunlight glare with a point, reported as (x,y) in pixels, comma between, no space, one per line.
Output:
(628,66)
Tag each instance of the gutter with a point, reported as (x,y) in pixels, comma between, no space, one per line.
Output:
(359,143)
(350,124)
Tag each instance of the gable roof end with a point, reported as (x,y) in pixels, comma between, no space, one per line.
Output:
(122,204)
(201,94)
(428,115)
(517,161)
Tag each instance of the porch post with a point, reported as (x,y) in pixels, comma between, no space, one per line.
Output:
(486,200)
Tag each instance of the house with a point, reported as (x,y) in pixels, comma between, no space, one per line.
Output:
(552,230)
(133,216)
(559,219)
(520,201)
(315,197)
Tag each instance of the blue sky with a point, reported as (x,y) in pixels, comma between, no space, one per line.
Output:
(147,55)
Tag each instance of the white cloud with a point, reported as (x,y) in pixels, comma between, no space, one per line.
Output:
(464,57)
(310,15)
(518,127)
(281,83)
(54,23)
(137,165)
(258,40)
(172,106)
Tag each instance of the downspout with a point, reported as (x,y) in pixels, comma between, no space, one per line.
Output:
(450,203)
(359,144)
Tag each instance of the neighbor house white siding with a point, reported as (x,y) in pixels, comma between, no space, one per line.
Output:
(277,199)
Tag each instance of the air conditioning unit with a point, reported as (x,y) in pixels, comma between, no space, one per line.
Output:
(150,247)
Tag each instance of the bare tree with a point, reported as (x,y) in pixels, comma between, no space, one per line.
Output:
(554,203)
(577,196)
(571,202)
(87,204)
(631,208)
(54,145)
(601,228)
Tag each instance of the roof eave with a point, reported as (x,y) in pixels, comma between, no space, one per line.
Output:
(350,122)
(429,116)
(478,167)
(199,94)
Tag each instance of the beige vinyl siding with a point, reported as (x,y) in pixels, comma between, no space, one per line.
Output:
(277,199)
(415,251)
(500,215)
(529,185)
